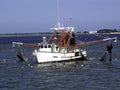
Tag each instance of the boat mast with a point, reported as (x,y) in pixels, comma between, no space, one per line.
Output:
(58,9)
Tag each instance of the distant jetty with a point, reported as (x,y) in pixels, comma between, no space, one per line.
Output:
(102,31)
(25,34)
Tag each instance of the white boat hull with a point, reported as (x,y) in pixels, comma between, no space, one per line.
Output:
(43,57)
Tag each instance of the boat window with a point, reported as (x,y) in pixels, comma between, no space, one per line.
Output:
(76,53)
(56,48)
(49,46)
(41,46)
(45,46)
(55,56)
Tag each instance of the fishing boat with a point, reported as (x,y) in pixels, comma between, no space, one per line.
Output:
(61,46)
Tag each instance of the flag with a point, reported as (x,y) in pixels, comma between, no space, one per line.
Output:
(69,20)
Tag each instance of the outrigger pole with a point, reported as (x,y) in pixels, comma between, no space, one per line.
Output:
(96,41)
(22,58)
(80,44)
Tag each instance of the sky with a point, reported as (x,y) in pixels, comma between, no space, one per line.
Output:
(27,16)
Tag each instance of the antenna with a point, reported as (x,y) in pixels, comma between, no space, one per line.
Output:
(58,24)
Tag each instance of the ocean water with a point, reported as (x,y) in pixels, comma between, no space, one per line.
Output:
(77,75)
